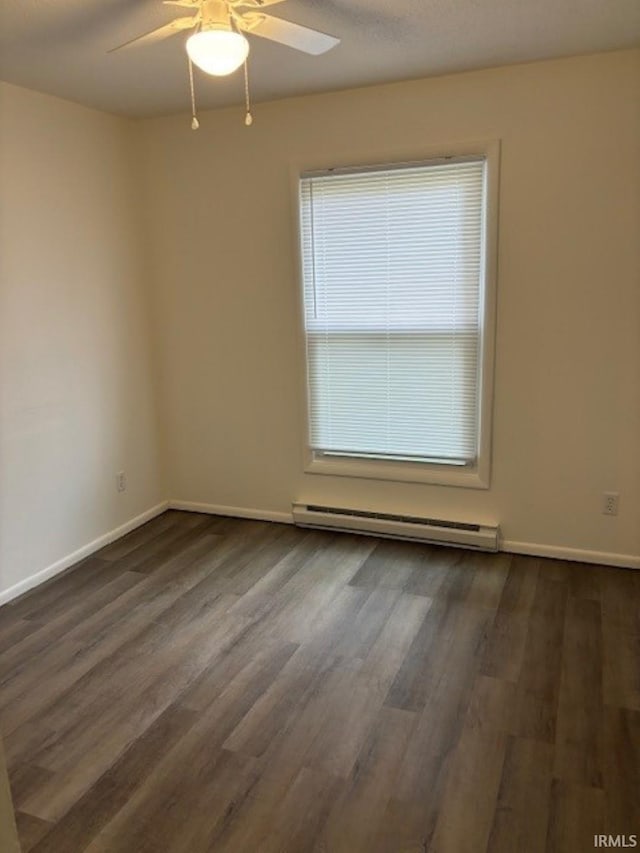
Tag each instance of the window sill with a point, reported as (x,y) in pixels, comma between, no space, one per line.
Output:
(476,477)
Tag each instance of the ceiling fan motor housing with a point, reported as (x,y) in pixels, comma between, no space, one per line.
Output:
(215,15)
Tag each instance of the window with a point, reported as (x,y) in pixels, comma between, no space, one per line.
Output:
(395,309)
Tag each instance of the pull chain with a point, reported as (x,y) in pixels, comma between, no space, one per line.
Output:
(248,119)
(195,124)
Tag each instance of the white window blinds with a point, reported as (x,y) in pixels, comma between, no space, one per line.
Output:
(393,269)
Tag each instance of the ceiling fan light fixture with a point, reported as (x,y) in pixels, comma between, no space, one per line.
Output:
(218,51)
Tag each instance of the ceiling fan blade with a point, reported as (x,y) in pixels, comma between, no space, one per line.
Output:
(190,4)
(286,32)
(160,33)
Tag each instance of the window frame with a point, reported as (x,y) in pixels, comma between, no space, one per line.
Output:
(475,476)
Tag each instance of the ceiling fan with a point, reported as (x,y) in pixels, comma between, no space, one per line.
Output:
(219,45)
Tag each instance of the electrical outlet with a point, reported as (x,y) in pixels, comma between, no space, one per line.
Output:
(121,481)
(610,501)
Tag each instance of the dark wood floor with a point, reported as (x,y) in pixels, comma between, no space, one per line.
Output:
(210,684)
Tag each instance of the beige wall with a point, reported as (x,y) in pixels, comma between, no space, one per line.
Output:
(76,392)
(76,355)
(567,397)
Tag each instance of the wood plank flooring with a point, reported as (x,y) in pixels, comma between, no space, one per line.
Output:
(214,684)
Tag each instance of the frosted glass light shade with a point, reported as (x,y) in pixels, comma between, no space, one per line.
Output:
(218,52)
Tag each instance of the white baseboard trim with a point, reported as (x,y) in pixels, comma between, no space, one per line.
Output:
(625,561)
(233,511)
(54,569)
(605,558)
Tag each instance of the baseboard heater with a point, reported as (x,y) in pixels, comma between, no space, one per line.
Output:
(413,528)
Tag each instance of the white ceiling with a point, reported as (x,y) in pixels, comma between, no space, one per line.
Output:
(60,46)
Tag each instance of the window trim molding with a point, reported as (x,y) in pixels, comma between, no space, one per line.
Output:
(477,476)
